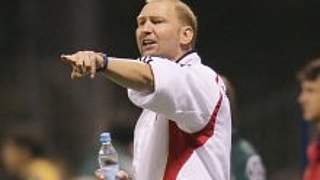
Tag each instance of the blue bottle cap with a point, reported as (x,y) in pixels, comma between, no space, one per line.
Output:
(105,137)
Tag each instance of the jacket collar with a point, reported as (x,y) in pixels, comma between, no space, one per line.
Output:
(189,58)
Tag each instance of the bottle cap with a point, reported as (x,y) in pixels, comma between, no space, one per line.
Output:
(105,137)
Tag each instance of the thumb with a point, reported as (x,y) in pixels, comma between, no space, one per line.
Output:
(122,175)
(99,174)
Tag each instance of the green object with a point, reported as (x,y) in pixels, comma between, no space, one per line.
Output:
(246,163)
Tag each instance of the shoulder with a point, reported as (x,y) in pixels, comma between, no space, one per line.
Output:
(149,59)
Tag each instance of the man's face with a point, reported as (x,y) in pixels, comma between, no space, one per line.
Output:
(158,30)
(309,99)
(13,157)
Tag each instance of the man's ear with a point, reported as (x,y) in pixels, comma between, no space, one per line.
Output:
(186,35)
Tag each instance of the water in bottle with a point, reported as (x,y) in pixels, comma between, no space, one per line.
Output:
(108,157)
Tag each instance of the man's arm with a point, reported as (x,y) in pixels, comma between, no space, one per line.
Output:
(125,72)
(130,74)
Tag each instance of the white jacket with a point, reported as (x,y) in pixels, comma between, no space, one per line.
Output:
(184,131)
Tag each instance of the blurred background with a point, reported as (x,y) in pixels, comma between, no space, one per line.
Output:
(259,45)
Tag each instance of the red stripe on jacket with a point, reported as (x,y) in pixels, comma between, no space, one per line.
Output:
(182,144)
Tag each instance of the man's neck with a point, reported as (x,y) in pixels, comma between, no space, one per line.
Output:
(183,54)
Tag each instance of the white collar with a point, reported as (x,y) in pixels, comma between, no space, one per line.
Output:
(189,58)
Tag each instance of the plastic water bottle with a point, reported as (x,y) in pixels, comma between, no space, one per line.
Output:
(108,157)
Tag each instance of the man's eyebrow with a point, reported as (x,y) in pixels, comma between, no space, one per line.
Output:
(143,17)
(140,17)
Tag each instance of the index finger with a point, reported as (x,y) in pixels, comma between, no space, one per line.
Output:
(67,59)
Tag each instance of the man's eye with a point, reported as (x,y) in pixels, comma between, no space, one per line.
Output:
(141,23)
(157,21)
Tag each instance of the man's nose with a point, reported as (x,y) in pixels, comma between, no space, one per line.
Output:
(147,28)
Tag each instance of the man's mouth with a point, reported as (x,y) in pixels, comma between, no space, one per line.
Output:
(147,43)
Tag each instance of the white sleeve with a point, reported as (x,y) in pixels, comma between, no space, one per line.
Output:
(186,95)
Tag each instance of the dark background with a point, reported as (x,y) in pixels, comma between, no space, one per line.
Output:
(258,44)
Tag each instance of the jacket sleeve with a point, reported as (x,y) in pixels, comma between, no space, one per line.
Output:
(184,94)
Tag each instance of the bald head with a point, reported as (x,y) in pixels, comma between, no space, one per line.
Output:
(165,29)
(185,15)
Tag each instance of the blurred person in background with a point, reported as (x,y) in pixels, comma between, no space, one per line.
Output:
(24,156)
(184,131)
(309,99)
(246,163)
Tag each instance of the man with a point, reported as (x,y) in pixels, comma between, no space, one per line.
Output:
(246,163)
(309,100)
(25,156)
(184,131)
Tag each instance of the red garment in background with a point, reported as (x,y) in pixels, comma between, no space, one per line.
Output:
(312,171)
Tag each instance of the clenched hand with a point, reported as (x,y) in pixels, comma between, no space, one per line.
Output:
(85,63)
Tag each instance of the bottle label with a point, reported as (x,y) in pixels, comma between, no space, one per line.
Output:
(110,172)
